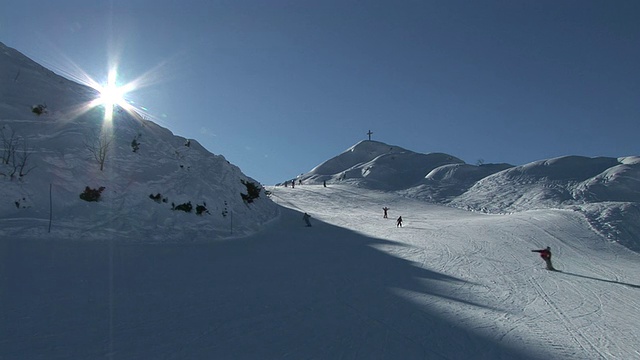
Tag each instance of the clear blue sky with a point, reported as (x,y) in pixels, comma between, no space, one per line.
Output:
(279,86)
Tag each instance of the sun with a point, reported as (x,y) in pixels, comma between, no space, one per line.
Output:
(111,95)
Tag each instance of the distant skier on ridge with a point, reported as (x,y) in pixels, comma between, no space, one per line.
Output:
(399,222)
(385,212)
(545,254)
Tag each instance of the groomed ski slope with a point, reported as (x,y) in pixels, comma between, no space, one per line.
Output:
(450,284)
(476,273)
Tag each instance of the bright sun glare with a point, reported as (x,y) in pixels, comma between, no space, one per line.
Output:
(111,95)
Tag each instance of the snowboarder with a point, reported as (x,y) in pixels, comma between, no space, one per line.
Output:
(399,222)
(545,254)
(385,212)
(306,218)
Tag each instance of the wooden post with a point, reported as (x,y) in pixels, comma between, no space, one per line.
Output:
(50,208)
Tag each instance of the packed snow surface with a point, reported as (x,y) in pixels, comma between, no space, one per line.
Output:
(449,284)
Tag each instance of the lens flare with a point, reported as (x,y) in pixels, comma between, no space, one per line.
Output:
(111,96)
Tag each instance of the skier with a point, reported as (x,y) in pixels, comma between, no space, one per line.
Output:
(399,222)
(385,212)
(306,218)
(545,254)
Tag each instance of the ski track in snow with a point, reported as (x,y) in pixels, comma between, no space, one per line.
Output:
(561,311)
(449,284)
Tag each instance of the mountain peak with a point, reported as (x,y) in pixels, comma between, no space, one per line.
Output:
(378,165)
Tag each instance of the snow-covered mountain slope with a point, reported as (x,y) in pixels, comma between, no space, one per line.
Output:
(564,180)
(606,190)
(446,182)
(376,165)
(57,153)
(487,278)
(60,151)
(449,284)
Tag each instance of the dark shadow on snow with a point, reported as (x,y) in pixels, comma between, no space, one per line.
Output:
(294,292)
(604,280)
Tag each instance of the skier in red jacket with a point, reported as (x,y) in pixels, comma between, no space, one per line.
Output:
(545,254)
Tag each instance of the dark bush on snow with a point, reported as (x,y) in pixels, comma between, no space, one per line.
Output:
(157,198)
(90,194)
(186,207)
(39,109)
(253,191)
(201,209)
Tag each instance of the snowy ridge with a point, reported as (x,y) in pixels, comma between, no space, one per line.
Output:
(606,190)
(377,165)
(58,143)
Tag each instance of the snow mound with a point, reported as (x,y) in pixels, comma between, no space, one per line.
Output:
(617,183)
(606,190)
(617,221)
(565,180)
(143,187)
(448,181)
